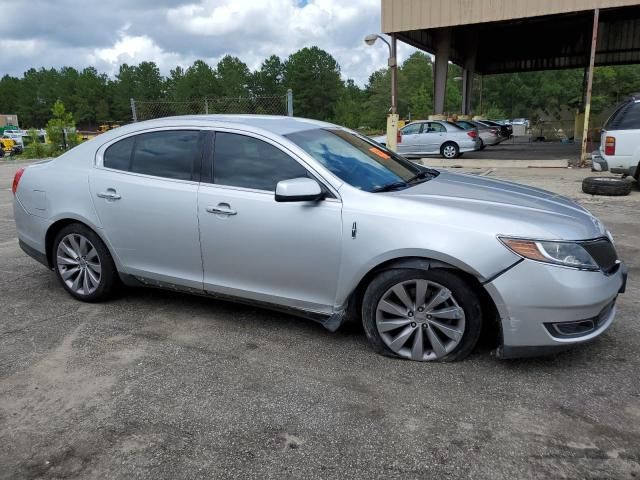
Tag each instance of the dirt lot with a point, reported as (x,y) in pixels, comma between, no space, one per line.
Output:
(162,385)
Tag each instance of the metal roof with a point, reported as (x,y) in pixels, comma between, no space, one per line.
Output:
(555,35)
(403,15)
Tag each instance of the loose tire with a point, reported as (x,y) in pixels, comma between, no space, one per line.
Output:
(83,263)
(422,315)
(450,150)
(611,186)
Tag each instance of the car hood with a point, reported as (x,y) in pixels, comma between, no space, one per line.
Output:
(510,208)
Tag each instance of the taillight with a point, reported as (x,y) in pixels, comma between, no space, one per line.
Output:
(399,137)
(494,131)
(472,133)
(16,180)
(610,146)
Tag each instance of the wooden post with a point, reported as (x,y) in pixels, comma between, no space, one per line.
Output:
(587,107)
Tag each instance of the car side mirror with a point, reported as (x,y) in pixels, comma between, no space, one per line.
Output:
(298,190)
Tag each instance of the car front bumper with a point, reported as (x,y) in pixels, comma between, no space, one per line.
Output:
(537,302)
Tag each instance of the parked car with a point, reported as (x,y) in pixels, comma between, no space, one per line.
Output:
(317,220)
(435,138)
(488,135)
(521,121)
(505,131)
(620,140)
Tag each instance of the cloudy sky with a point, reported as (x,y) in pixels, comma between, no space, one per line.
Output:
(79,33)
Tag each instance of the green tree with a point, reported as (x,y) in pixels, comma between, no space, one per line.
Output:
(34,148)
(61,129)
(268,80)
(314,77)
(197,82)
(348,110)
(415,83)
(233,75)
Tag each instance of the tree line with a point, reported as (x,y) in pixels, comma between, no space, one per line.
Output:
(319,90)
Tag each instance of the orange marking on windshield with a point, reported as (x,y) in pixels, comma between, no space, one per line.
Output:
(380,153)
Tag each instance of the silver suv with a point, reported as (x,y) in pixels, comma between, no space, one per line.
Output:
(317,220)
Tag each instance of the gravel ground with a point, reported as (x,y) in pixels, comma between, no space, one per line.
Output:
(162,385)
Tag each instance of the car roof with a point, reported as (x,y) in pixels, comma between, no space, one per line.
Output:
(278,124)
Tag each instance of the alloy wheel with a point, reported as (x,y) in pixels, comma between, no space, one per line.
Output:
(79,264)
(449,151)
(420,320)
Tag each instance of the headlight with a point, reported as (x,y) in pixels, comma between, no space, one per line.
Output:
(568,254)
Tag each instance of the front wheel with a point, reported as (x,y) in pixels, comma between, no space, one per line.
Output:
(422,315)
(83,263)
(450,150)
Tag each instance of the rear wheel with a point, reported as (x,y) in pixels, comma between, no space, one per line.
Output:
(422,315)
(450,150)
(83,264)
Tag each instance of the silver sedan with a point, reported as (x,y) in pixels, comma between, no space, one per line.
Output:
(435,138)
(316,220)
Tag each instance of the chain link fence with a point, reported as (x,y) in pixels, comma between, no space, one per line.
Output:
(272,105)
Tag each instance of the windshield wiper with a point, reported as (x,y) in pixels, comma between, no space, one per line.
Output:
(418,176)
(421,175)
(390,186)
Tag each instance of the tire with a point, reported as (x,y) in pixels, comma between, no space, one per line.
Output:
(419,324)
(610,186)
(482,145)
(449,150)
(90,277)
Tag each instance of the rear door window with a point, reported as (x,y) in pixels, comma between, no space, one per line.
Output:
(627,117)
(169,153)
(118,155)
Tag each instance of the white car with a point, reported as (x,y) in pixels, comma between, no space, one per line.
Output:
(620,142)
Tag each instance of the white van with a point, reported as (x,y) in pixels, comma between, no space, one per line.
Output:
(620,142)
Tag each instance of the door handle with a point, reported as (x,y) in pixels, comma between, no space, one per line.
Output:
(220,210)
(109,195)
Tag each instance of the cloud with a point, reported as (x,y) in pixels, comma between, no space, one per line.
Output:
(174,32)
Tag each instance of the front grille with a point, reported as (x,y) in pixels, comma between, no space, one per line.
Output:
(603,252)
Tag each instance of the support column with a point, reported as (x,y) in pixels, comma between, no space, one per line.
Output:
(468,72)
(587,106)
(443,48)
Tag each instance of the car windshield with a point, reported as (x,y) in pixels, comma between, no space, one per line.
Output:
(358,161)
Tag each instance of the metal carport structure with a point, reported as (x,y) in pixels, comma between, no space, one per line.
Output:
(506,36)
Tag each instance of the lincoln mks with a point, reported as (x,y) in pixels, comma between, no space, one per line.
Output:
(316,220)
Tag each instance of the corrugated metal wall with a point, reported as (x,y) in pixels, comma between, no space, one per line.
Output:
(403,15)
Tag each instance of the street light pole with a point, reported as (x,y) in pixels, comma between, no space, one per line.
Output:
(392,119)
(393,65)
